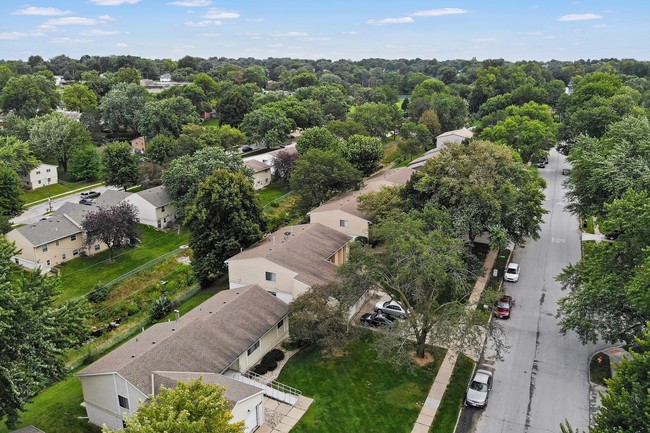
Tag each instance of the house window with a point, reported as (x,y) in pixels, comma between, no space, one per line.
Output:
(124,402)
(44,248)
(281,324)
(73,237)
(47,262)
(49,179)
(344,223)
(254,347)
(97,247)
(75,252)
(63,256)
(270,276)
(57,243)
(38,172)
(48,170)
(39,181)
(162,209)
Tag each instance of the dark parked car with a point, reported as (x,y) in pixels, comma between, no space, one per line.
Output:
(503,307)
(566,171)
(87,201)
(246,149)
(613,234)
(377,319)
(90,194)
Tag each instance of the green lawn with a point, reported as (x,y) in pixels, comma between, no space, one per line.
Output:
(356,392)
(272,192)
(452,401)
(211,122)
(80,276)
(52,190)
(57,410)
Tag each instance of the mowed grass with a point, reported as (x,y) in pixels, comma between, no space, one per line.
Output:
(272,193)
(52,190)
(81,275)
(57,410)
(355,392)
(452,400)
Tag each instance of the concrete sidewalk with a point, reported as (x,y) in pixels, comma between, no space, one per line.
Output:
(437,391)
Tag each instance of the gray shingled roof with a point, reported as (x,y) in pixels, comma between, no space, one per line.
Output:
(75,211)
(257,166)
(157,196)
(49,230)
(304,249)
(464,132)
(207,339)
(111,197)
(234,390)
(28,429)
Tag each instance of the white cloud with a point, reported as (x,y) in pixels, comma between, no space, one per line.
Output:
(114,2)
(350,33)
(440,12)
(601,26)
(580,17)
(255,20)
(69,41)
(71,21)
(209,35)
(34,10)
(219,14)
(191,3)
(122,45)
(319,39)
(292,34)
(6,36)
(202,23)
(530,33)
(402,20)
(106,18)
(98,32)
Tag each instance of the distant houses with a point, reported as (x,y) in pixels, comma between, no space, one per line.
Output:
(43,175)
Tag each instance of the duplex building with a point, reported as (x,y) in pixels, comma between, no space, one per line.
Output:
(154,207)
(228,333)
(43,175)
(261,173)
(290,261)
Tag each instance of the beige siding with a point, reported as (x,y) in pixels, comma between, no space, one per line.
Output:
(165,215)
(253,271)
(261,179)
(356,226)
(267,342)
(341,256)
(251,411)
(57,252)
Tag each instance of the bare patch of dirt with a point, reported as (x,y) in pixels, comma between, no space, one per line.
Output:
(428,358)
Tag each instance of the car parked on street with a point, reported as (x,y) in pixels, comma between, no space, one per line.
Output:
(90,194)
(391,307)
(246,149)
(503,306)
(479,388)
(512,273)
(377,319)
(87,201)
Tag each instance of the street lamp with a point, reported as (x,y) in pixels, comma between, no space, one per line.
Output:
(49,194)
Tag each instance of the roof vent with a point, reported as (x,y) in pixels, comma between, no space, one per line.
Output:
(153,342)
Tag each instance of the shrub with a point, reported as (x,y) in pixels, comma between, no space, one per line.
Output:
(161,307)
(98,294)
(276,354)
(260,369)
(270,364)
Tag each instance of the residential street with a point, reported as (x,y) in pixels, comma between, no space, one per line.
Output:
(543,378)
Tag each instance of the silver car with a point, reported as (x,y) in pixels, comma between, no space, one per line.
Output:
(479,389)
(512,273)
(393,308)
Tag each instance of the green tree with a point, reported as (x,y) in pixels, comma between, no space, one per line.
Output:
(485,188)
(16,154)
(364,153)
(121,105)
(378,119)
(235,103)
(303,79)
(267,124)
(29,95)
(85,163)
(161,149)
(11,194)
(186,172)
(78,97)
(36,334)
(115,226)
(430,120)
(421,265)
(322,174)
(55,135)
(127,75)
(224,218)
(194,407)
(317,138)
(625,407)
(332,98)
(120,165)
(231,137)
(208,85)
(166,116)
(345,129)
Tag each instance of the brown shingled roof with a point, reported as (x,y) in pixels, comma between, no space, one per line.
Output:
(257,166)
(207,339)
(304,249)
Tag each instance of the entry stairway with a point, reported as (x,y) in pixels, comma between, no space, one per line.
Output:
(272,389)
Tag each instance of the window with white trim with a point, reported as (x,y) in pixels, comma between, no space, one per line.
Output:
(270,276)
(73,237)
(281,324)
(253,348)
(123,401)
(44,248)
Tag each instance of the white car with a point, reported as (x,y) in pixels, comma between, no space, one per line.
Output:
(479,389)
(390,307)
(512,273)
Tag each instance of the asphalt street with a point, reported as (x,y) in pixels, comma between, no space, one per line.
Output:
(543,378)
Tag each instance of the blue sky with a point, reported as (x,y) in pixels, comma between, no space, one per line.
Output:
(333,29)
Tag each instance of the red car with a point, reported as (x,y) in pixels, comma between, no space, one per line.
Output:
(503,306)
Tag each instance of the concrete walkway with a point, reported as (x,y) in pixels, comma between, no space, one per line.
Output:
(437,391)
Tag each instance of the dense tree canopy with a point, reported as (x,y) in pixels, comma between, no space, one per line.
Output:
(268,125)
(11,194)
(166,116)
(317,138)
(29,95)
(78,97)
(121,105)
(224,218)
(17,155)
(35,334)
(120,166)
(55,135)
(115,226)
(364,153)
